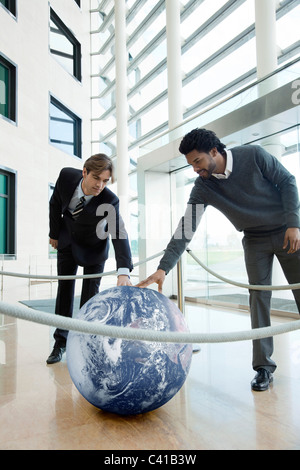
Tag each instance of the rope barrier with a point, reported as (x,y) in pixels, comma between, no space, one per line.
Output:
(80,276)
(96,328)
(109,273)
(239,284)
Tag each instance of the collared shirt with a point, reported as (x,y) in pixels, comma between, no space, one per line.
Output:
(78,193)
(228,169)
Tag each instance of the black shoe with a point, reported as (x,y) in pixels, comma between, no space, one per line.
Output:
(56,354)
(262,380)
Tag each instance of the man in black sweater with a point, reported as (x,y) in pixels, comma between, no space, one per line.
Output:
(260,197)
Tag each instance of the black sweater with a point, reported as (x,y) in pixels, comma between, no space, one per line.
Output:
(258,197)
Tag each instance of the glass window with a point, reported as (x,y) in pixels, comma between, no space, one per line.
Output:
(3,213)
(221,34)
(198,16)
(7,89)
(157,85)
(7,212)
(65,129)
(223,72)
(142,15)
(65,46)
(155,117)
(10,5)
(291,154)
(147,36)
(288,29)
(4,86)
(157,56)
(218,56)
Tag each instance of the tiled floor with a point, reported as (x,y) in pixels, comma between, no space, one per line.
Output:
(40,408)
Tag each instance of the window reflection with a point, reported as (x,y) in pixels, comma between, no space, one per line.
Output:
(64,46)
(4,85)
(61,47)
(7,89)
(65,129)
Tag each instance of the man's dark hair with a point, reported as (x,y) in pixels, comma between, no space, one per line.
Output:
(99,163)
(201,140)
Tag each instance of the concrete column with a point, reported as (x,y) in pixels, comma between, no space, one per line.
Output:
(122,109)
(266,45)
(175,106)
(174,63)
(266,50)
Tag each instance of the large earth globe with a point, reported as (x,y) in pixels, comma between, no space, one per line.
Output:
(128,376)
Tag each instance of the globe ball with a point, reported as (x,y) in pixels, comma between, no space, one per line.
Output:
(128,376)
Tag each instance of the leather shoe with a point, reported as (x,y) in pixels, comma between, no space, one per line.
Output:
(262,380)
(56,354)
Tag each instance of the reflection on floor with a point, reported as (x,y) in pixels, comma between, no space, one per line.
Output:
(41,409)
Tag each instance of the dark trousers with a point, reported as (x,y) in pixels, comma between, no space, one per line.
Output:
(66,265)
(259,256)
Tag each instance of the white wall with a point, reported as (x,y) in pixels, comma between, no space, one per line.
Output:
(24,146)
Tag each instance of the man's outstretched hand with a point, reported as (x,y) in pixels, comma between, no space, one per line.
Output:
(158,278)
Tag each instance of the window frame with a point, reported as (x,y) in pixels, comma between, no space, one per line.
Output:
(12,88)
(71,38)
(77,140)
(10,251)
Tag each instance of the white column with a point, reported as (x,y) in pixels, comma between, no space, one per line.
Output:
(266,51)
(266,44)
(174,63)
(175,107)
(122,109)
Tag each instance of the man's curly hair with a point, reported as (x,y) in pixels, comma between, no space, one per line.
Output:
(201,140)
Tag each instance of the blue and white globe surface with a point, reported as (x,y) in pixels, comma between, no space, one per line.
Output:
(128,376)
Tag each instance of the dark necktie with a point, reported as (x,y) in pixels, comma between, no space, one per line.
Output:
(79,208)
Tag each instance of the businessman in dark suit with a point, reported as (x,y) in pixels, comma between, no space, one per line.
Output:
(84,213)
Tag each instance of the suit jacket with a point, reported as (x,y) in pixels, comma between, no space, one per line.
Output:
(89,234)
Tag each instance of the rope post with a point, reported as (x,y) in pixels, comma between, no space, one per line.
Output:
(180,293)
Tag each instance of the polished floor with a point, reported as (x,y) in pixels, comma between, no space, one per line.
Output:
(40,408)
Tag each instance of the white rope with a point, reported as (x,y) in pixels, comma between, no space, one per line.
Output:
(109,273)
(239,284)
(97,328)
(80,276)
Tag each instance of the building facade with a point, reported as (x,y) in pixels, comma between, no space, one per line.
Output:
(44,118)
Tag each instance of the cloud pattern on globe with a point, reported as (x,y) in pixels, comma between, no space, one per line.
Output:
(129,376)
